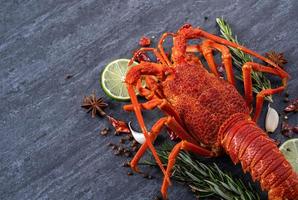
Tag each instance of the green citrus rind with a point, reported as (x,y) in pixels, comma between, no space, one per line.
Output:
(112,79)
(290,151)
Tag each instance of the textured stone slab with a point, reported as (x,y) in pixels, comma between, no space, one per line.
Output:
(49,147)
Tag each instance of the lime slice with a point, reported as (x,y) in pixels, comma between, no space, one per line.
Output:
(290,151)
(113,77)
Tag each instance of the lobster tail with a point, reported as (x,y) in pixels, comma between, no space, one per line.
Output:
(259,155)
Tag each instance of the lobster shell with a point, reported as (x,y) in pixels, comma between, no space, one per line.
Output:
(248,144)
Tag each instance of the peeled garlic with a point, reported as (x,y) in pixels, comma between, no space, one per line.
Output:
(271,121)
(139,137)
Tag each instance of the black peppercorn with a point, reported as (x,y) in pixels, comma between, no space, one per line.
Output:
(129,173)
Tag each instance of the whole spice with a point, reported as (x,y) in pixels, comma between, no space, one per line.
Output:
(147,176)
(110,144)
(134,143)
(122,140)
(129,137)
(120,126)
(126,164)
(292,107)
(272,119)
(277,58)
(129,173)
(127,154)
(68,76)
(150,177)
(286,129)
(117,153)
(94,105)
(104,131)
(144,42)
(135,149)
(120,149)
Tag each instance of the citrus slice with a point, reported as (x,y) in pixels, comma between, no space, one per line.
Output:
(113,77)
(290,151)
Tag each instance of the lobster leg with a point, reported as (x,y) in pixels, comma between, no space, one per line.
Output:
(161,49)
(143,91)
(260,99)
(246,70)
(140,119)
(206,49)
(207,53)
(156,102)
(226,58)
(167,121)
(151,90)
(170,122)
(134,74)
(194,49)
(153,133)
(187,31)
(155,88)
(183,145)
(147,105)
(156,128)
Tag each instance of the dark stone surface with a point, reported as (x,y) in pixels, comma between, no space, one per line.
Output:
(49,147)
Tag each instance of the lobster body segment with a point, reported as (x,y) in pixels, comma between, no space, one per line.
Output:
(259,155)
(203,102)
(207,112)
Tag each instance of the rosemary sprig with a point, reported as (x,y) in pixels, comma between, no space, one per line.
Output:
(206,181)
(260,82)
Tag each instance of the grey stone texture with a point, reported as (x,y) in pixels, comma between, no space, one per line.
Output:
(49,147)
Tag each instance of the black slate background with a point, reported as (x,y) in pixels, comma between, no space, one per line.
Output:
(50,148)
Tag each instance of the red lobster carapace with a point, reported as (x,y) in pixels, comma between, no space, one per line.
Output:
(206,112)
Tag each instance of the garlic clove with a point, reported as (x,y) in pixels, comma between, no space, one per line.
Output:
(272,119)
(139,137)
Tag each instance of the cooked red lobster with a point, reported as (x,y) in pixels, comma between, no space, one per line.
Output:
(207,112)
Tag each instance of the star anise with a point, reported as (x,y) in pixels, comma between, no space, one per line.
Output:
(94,105)
(277,58)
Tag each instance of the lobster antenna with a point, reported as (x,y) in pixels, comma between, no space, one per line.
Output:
(241,48)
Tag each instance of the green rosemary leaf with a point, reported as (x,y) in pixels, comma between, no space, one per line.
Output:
(231,186)
(206,180)
(240,58)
